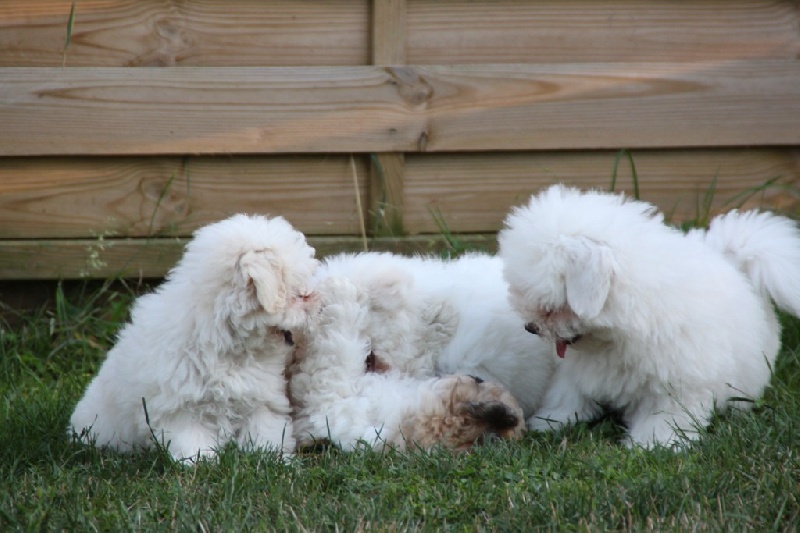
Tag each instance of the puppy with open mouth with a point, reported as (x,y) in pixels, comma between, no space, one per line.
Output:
(663,326)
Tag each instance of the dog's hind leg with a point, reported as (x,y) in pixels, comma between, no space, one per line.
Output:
(666,422)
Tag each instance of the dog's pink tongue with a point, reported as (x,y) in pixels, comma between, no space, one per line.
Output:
(561,348)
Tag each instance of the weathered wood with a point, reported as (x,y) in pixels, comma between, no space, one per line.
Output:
(135,197)
(387,169)
(123,197)
(118,33)
(305,32)
(473,192)
(522,31)
(387,194)
(375,109)
(389,32)
(143,258)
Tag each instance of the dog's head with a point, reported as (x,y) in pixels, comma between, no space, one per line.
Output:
(404,327)
(250,272)
(559,281)
(466,411)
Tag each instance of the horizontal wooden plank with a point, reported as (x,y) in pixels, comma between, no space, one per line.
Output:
(136,197)
(114,197)
(473,192)
(119,33)
(307,32)
(521,31)
(143,258)
(401,109)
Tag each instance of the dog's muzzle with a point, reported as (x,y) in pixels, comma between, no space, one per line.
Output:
(530,327)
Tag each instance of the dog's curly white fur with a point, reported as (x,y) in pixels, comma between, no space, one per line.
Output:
(432,316)
(206,352)
(336,398)
(663,326)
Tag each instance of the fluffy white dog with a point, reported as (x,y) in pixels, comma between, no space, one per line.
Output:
(664,327)
(432,316)
(340,393)
(207,351)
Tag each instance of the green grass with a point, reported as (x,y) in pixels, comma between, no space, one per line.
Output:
(743,474)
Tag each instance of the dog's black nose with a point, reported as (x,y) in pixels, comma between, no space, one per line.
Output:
(477,379)
(287,337)
(530,327)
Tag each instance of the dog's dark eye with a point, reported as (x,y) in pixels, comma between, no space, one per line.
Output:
(530,327)
(477,379)
(287,337)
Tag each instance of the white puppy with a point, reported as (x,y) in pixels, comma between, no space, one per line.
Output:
(452,317)
(207,351)
(340,393)
(660,325)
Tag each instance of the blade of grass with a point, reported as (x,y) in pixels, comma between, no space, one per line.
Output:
(739,199)
(68,38)
(361,224)
(634,176)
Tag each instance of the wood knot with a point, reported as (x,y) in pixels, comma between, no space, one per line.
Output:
(412,87)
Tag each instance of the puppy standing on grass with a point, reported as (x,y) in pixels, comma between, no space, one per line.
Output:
(663,326)
(207,351)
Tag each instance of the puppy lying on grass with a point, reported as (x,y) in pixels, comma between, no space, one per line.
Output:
(341,393)
(202,361)
(432,316)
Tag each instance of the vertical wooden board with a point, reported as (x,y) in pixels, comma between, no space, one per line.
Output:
(521,31)
(389,32)
(191,33)
(474,192)
(387,169)
(122,197)
(387,195)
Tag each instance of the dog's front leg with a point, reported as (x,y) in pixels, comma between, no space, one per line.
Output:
(187,439)
(563,404)
(266,430)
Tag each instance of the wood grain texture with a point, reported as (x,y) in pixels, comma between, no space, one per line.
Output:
(152,258)
(388,32)
(387,195)
(474,192)
(46,198)
(118,33)
(306,32)
(398,109)
(522,31)
(135,197)
(387,169)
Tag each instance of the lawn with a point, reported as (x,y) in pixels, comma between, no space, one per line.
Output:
(744,474)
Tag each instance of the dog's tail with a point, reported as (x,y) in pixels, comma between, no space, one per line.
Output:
(766,248)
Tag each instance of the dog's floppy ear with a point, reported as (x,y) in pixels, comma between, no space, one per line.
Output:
(588,274)
(263,269)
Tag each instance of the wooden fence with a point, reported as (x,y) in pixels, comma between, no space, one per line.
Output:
(130,123)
